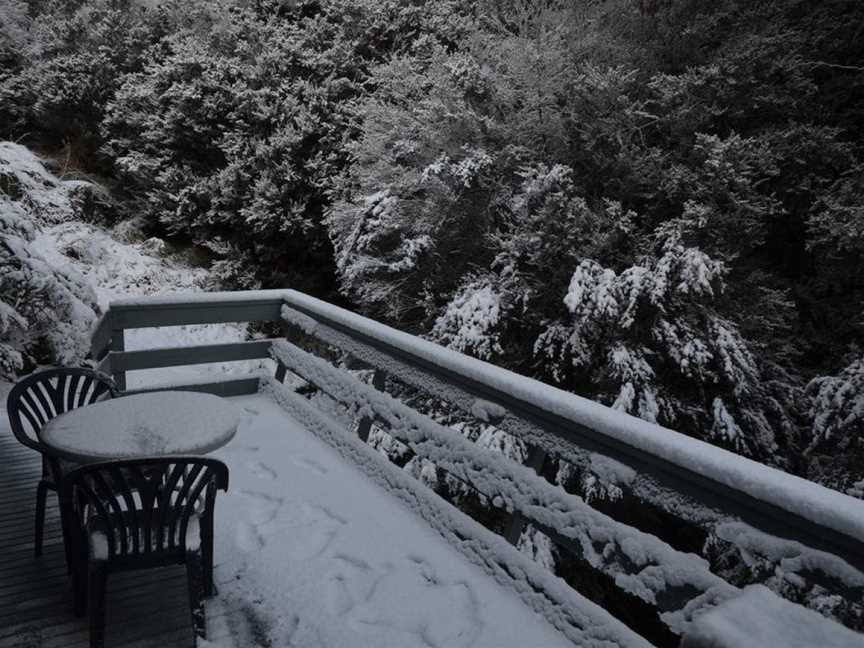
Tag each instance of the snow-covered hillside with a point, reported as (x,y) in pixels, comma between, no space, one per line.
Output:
(117,268)
(103,263)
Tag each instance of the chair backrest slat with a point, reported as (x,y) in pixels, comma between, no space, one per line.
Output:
(168,501)
(43,398)
(143,506)
(193,498)
(27,406)
(71,392)
(56,394)
(90,498)
(132,518)
(106,492)
(180,510)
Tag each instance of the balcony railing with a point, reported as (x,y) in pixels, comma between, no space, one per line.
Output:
(676,496)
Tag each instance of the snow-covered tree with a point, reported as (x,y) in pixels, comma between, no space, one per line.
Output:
(837,436)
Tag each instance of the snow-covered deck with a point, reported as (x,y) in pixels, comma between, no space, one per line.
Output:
(309,552)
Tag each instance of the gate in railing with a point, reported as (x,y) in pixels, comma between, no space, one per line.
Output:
(634,553)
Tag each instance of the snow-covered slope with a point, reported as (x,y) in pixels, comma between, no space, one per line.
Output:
(45,311)
(81,265)
(120,269)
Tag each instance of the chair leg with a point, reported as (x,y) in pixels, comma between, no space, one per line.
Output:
(98,576)
(67,539)
(207,552)
(41,495)
(195,576)
(79,589)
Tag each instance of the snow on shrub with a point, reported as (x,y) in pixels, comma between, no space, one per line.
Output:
(45,312)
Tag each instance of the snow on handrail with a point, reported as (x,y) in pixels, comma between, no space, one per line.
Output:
(650,567)
(190,298)
(580,620)
(814,503)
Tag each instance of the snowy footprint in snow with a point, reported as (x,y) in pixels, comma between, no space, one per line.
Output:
(252,534)
(446,615)
(311,464)
(262,470)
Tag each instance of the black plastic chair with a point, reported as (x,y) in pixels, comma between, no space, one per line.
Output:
(140,513)
(38,398)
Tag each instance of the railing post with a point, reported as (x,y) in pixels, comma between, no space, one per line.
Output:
(281,371)
(536,458)
(365,424)
(118,343)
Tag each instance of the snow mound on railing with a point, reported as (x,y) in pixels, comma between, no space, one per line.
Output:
(757,618)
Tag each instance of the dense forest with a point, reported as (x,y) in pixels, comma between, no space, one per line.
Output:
(657,204)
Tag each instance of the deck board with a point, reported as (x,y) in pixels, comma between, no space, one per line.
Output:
(144,609)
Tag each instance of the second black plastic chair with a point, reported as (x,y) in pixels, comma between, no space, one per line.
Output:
(140,513)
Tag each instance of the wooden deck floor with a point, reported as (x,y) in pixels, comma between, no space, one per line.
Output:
(146,608)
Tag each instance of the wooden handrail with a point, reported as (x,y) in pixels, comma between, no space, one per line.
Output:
(660,480)
(108,336)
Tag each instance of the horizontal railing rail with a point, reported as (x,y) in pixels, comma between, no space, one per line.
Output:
(177,356)
(108,340)
(658,574)
(676,471)
(665,473)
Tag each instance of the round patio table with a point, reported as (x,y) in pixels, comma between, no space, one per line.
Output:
(143,425)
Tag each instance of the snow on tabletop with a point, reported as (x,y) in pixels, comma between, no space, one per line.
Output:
(794,494)
(158,423)
(758,618)
(314,554)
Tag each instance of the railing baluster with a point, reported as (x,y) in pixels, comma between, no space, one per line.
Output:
(364,426)
(536,459)
(118,345)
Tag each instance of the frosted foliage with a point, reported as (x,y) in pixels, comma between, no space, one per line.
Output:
(464,171)
(423,471)
(592,292)
(629,329)
(379,223)
(30,190)
(14,25)
(725,426)
(39,302)
(469,323)
(856,489)
(502,442)
(837,403)
(537,545)
(605,480)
